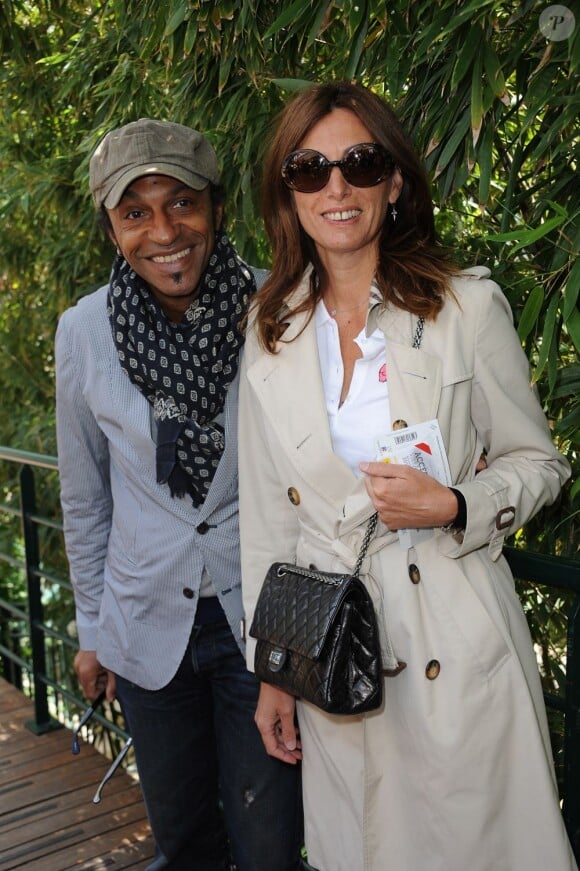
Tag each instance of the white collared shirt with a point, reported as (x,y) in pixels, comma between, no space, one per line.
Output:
(364,414)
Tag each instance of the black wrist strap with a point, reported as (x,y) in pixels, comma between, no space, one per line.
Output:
(460,521)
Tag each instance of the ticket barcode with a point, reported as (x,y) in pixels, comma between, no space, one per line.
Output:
(403,439)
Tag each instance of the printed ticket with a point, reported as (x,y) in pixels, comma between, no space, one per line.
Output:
(421,447)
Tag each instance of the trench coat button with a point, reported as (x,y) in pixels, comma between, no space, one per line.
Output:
(432,670)
(505,517)
(188,593)
(293,495)
(400,424)
(414,573)
(202,528)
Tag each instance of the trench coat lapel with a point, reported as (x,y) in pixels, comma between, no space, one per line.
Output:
(414,375)
(289,387)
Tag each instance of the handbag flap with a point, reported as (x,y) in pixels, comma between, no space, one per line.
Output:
(296,607)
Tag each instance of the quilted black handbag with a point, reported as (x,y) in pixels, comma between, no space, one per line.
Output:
(318,637)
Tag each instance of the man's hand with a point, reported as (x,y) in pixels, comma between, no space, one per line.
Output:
(93,678)
(406,498)
(275,721)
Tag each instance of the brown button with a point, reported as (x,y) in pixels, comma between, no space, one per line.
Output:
(400,424)
(505,517)
(414,573)
(433,669)
(293,495)
(188,593)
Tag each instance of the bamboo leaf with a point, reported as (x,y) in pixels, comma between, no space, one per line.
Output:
(494,72)
(531,312)
(568,382)
(467,53)
(466,13)
(484,159)
(288,16)
(459,17)
(538,233)
(292,84)
(318,21)
(190,35)
(176,19)
(572,292)
(476,100)
(573,328)
(429,34)
(224,73)
(548,336)
(359,38)
(528,236)
(552,365)
(453,143)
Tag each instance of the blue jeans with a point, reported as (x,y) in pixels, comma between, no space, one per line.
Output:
(196,743)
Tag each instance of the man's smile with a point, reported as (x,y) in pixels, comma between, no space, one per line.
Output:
(171,258)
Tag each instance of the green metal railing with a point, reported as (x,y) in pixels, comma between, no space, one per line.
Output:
(35,653)
(561,574)
(25,652)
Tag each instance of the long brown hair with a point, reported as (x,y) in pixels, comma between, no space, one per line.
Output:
(413,272)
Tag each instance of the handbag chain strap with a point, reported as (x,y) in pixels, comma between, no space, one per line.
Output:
(369,532)
(323,576)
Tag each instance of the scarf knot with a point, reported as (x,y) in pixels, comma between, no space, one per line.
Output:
(184,370)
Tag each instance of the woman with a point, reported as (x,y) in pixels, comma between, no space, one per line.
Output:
(363,327)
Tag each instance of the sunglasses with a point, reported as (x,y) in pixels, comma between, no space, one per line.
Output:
(364,166)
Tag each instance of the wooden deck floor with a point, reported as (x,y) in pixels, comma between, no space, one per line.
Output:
(48,821)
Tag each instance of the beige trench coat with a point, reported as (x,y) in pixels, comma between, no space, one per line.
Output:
(453,772)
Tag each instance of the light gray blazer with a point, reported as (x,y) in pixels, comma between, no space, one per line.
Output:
(136,554)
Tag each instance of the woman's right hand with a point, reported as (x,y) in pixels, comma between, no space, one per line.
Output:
(275,721)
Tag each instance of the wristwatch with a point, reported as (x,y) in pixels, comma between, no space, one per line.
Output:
(459,522)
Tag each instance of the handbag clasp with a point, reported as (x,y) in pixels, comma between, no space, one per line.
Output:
(277,658)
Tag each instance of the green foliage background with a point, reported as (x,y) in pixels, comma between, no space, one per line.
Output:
(491,103)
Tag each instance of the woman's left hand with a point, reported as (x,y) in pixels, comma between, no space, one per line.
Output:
(406,498)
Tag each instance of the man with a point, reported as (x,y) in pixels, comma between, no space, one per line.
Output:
(147,391)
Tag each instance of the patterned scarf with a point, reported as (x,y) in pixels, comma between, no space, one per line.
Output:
(184,370)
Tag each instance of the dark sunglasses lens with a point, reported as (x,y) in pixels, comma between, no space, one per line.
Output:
(306,171)
(365,165)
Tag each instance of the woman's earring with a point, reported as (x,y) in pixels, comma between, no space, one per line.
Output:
(394,212)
